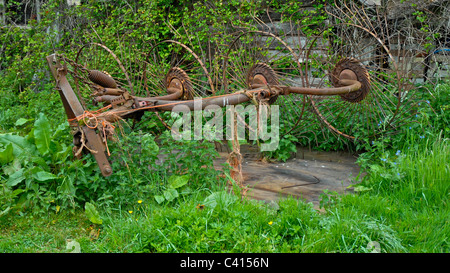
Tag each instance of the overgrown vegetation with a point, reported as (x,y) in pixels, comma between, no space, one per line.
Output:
(181,203)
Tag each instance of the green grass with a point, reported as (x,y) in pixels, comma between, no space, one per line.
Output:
(402,205)
(415,203)
(29,234)
(410,214)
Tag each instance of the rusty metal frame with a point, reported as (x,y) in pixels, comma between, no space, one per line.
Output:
(131,104)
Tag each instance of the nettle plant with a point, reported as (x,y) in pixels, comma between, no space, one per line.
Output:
(38,171)
(36,168)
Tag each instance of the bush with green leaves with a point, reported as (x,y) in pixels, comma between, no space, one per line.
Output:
(36,168)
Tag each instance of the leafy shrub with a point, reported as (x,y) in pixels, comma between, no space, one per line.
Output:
(38,171)
(35,167)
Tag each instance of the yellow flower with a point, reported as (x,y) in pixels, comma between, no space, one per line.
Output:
(270,223)
(139,201)
(130,211)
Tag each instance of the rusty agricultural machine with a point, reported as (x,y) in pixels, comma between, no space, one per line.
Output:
(343,85)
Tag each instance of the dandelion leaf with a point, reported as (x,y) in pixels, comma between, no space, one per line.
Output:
(92,213)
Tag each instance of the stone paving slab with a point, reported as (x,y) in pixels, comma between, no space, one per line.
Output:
(305,176)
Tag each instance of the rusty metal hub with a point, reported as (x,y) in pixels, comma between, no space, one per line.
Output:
(262,74)
(177,79)
(351,69)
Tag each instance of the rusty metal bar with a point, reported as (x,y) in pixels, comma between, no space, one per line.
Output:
(168,102)
(71,103)
(230,99)
(174,94)
(192,105)
(73,109)
(349,86)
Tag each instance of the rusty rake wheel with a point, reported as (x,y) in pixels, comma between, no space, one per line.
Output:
(172,65)
(380,105)
(168,60)
(96,64)
(263,58)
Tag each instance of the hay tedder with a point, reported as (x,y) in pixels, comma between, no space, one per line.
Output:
(354,88)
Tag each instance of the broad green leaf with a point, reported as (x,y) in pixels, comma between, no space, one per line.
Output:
(44,176)
(159,199)
(62,151)
(39,161)
(6,155)
(92,213)
(21,147)
(361,189)
(170,194)
(17,192)
(67,186)
(5,211)
(21,121)
(15,178)
(60,130)
(149,146)
(221,198)
(376,168)
(42,134)
(177,181)
(12,167)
